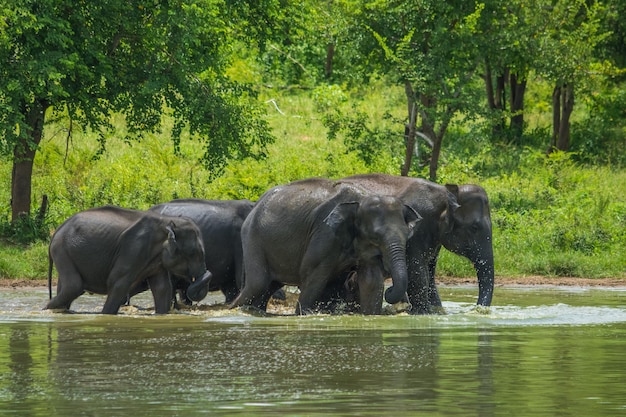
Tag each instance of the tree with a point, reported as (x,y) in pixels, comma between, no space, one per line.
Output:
(554,39)
(613,47)
(567,46)
(511,31)
(89,59)
(305,46)
(432,49)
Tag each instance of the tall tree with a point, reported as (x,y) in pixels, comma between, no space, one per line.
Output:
(307,44)
(432,48)
(141,58)
(567,50)
(511,32)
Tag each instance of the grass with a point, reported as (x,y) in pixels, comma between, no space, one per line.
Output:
(23,262)
(551,216)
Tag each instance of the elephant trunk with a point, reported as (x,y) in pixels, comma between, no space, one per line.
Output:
(396,257)
(485,275)
(200,287)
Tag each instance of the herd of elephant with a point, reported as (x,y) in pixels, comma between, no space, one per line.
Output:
(336,240)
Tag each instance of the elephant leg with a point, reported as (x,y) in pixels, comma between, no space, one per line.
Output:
(136,289)
(310,293)
(182,295)
(161,287)
(371,284)
(179,287)
(257,279)
(69,286)
(418,286)
(117,295)
(230,291)
(312,286)
(433,295)
(252,293)
(239,267)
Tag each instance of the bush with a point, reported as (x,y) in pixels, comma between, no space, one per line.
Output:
(25,230)
(600,138)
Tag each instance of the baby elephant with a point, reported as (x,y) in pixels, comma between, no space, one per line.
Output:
(114,251)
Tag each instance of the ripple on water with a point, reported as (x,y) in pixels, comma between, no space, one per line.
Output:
(570,307)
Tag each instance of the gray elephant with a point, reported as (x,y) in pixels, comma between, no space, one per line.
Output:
(341,295)
(114,251)
(457,217)
(220,223)
(307,232)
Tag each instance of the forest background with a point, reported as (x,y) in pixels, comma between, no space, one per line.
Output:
(137,103)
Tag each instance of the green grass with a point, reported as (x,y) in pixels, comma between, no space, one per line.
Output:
(23,262)
(551,216)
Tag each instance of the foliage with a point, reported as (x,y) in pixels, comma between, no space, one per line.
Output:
(210,75)
(555,218)
(23,261)
(350,118)
(433,49)
(89,60)
(551,215)
(303,49)
(613,47)
(600,137)
(25,230)
(571,30)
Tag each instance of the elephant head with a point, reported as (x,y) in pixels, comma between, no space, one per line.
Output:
(183,255)
(382,225)
(468,233)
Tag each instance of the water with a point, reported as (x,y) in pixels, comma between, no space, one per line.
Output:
(537,352)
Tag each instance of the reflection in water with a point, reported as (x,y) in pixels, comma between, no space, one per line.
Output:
(510,362)
(20,363)
(484,374)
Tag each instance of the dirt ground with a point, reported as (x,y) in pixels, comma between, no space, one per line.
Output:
(500,282)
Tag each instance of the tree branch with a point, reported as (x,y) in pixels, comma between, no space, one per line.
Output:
(289,57)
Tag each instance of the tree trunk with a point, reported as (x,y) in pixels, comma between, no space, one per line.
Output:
(330,53)
(556,117)
(491,102)
(23,159)
(434,159)
(428,127)
(517,104)
(409,130)
(567,106)
(562,107)
(495,97)
(437,141)
(500,99)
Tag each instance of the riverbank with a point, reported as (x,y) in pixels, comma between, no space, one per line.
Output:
(500,281)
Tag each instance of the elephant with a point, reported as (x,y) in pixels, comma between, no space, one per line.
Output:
(115,251)
(308,232)
(220,223)
(455,216)
(341,295)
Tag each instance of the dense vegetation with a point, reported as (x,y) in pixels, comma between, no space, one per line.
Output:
(342,95)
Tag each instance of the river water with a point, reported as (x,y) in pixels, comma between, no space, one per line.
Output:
(548,351)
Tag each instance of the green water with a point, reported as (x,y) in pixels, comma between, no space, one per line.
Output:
(537,352)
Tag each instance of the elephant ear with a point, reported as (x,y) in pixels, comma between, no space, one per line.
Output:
(447,217)
(341,214)
(170,244)
(411,217)
(454,189)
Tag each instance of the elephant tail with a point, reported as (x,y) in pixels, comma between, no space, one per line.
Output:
(50,264)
